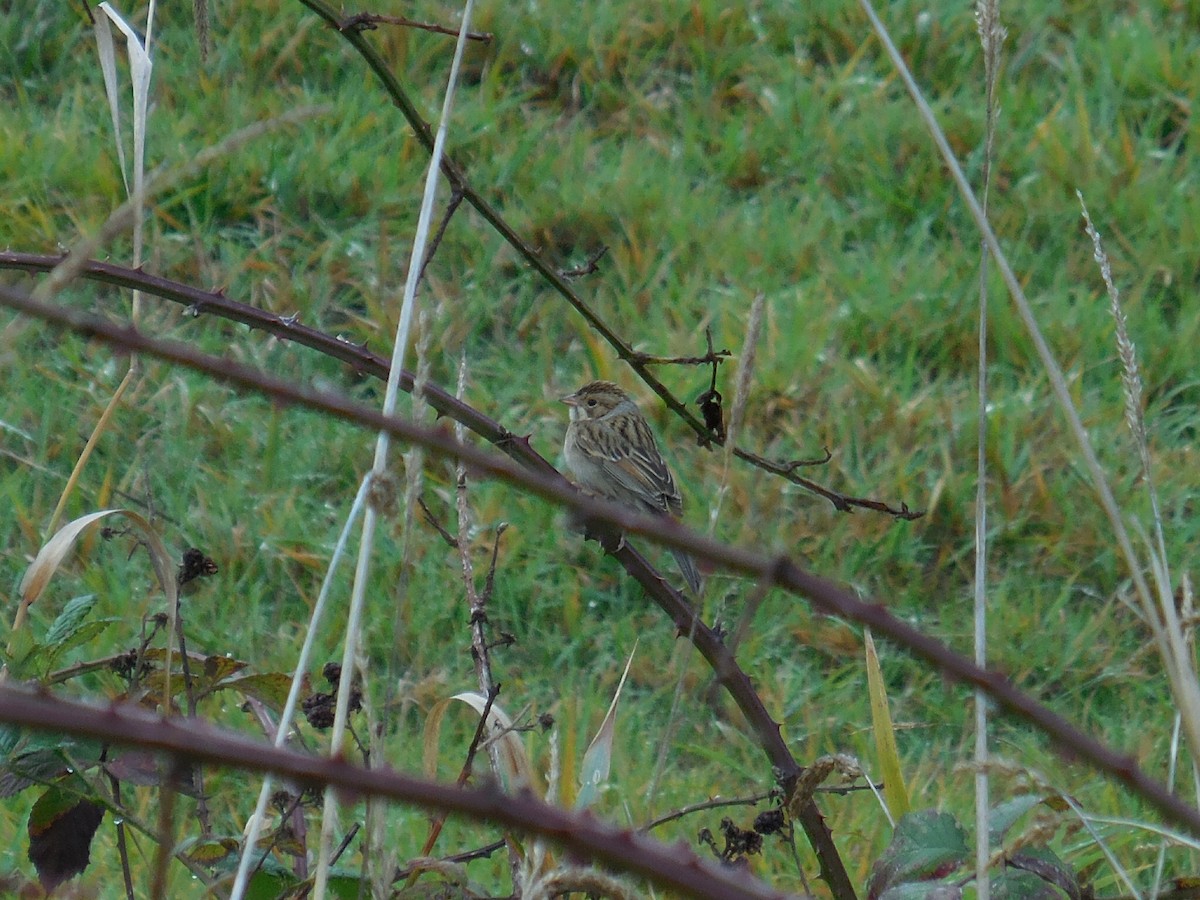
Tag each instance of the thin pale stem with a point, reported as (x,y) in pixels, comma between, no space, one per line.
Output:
(254,827)
(362,571)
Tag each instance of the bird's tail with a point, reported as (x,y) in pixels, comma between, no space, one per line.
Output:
(688,567)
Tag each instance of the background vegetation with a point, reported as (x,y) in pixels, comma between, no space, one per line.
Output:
(718,152)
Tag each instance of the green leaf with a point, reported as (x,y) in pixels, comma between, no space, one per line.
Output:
(271,688)
(70,619)
(1058,879)
(923,890)
(86,632)
(9,738)
(926,846)
(29,768)
(1013,884)
(209,851)
(43,757)
(24,655)
(272,879)
(1004,815)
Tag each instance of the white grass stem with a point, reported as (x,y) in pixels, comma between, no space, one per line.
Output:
(254,826)
(1172,771)
(1175,837)
(991,36)
(879,799)
(382,444)
(1089,822)
(140,67)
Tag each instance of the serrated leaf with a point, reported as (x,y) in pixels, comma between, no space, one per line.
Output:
(25,655)
(270,688)
(9,738)
(926,845)
(73,614)
(44,757)
(61,827)
(209,851)
(217,667)
(86,632)
(923,890)
(28,768)
(284,840)
(1013,884)
(80,748)
(207,673)
(136,767)
(1046,865)
(1003,816)
(153,681)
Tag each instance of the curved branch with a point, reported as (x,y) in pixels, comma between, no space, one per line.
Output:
(708,642)
(285,328)
(600,516)
(674,867)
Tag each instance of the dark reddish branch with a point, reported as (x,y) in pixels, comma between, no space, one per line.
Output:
(545,482)
(285,328)
(728,673)
(674,867)
(289,329)
(458,181)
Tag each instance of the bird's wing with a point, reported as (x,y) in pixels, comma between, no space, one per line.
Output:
(640,472)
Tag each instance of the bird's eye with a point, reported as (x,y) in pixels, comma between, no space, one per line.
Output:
(591,401)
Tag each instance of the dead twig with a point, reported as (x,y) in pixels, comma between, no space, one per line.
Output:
(437,526)
(365,21)
(588,268)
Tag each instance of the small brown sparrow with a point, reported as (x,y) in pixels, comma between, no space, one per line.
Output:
(611,450)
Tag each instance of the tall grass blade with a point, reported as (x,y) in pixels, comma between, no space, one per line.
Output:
(895,792)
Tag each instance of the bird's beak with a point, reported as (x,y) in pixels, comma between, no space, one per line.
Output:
(570,400)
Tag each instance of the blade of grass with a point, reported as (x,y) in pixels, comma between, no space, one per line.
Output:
(894,789)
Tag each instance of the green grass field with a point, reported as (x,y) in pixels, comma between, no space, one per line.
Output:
(718,151)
